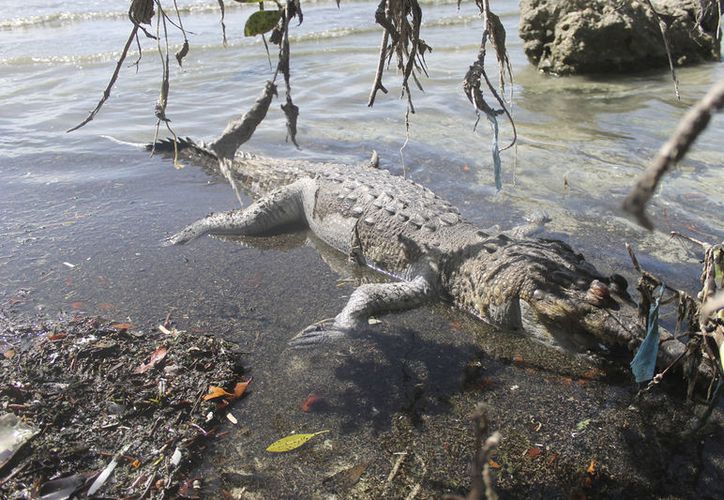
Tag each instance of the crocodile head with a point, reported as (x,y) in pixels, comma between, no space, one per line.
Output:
(546,289)
(583,312)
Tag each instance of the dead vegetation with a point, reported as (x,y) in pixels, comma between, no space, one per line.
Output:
(108,409)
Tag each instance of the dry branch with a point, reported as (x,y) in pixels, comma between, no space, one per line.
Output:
(689,128)
(107,91)
(237,132)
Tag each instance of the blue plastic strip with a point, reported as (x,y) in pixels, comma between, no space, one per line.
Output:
(643,365)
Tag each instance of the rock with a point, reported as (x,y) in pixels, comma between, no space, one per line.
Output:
(597,36)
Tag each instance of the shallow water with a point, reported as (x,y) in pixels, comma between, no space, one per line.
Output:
(83,217)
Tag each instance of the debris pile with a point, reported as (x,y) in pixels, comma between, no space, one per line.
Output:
(89,407)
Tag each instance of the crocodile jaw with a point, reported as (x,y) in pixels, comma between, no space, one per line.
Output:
(568,319)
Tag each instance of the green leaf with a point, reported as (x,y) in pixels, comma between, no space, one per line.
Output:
(292,442)
(583,424)
(261,21)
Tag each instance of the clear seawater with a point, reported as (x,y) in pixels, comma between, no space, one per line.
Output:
(80,199)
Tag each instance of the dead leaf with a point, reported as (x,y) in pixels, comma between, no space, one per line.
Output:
(156,357)
(76,305)
(518,359)
(592,467)
(57,336)
(594,373)
(552,458)
(309,403)
(493,464)
(347,478)
(136,464)
(121,326)
(240,388)
(534,452)
(217,392)
(9,354)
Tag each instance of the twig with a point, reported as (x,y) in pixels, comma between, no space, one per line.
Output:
(689,128)
(380,69)
(223,26)
(14,473)
(703,244)
(394,471)
(665,35)
(107,91)
(481,484)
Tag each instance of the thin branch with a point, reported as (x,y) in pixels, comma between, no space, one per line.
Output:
(380,69)
(107,91)
(665,35)
(689,128)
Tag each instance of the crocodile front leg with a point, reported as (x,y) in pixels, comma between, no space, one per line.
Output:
(279,208)
(367,300)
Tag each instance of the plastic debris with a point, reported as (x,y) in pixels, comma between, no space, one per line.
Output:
(13,435)
(643,364)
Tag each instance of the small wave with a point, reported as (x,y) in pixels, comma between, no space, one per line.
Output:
(63,18)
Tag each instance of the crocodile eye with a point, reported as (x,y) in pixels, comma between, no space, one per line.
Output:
(538,294)
(598,293)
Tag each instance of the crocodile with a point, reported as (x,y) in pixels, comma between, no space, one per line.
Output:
(404,230)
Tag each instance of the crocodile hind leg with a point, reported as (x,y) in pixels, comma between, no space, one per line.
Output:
(279,208)
(367,300)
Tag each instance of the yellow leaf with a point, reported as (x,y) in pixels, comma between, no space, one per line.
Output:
(216,392)
(292,442)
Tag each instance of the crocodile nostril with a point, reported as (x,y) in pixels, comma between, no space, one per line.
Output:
(598,293)
(618,284)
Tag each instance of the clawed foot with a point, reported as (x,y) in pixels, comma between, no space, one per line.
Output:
(319,333)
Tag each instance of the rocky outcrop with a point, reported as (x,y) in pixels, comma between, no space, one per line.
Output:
(597,36)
